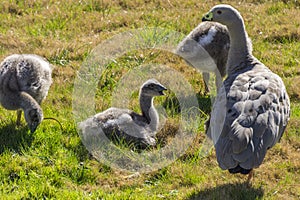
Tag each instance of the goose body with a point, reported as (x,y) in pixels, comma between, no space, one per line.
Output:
(25,80)
(252,108)
(126,125)
(212,37)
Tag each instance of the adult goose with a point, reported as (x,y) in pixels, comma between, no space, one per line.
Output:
(24,82)
(213,38)
(125,125)
(252,108)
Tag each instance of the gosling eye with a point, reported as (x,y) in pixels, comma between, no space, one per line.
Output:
(219,12)
(151,86)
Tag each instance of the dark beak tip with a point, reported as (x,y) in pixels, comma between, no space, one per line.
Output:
(162,92)
(33,128)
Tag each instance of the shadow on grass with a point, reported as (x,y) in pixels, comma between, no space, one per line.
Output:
(172,103)
(204,103)
(15,139)
(81,152)
(229,191)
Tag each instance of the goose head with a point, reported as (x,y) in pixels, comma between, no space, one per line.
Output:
(152,88)
(33,117)
(224,14)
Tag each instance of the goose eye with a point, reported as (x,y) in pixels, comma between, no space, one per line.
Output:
(219,12)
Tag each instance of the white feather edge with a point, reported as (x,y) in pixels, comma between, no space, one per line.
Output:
(218,116)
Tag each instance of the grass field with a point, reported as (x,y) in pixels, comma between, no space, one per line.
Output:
(54,164)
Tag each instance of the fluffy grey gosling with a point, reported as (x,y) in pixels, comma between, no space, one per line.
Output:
(24,82)
(125,125)
(214,38)
(252,108)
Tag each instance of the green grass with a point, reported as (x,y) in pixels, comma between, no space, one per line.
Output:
(54,164)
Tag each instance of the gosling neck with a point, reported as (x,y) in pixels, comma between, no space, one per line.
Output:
(240,45)
(28,102)
(148,111)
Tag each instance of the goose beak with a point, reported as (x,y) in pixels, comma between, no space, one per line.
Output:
(207,17)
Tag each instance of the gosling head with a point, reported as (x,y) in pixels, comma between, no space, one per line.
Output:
(33,117)
(152,88)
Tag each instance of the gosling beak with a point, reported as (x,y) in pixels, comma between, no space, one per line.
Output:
(207,17)
(33,126)
(162,89)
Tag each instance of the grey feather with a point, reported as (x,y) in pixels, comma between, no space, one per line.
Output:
(257,107)
(25,81)
(209,41)
(123,124)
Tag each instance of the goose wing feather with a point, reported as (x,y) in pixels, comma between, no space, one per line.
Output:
(257,112)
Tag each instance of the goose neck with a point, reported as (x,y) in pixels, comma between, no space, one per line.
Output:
(240,48)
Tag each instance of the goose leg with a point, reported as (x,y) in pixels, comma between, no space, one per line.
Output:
(250,176)
(205,76)
(19,114)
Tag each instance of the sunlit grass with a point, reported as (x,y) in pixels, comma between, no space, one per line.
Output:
(52,163)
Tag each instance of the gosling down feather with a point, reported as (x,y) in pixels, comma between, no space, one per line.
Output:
(125,125)
(24,82)
(252,108)
(213,37)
